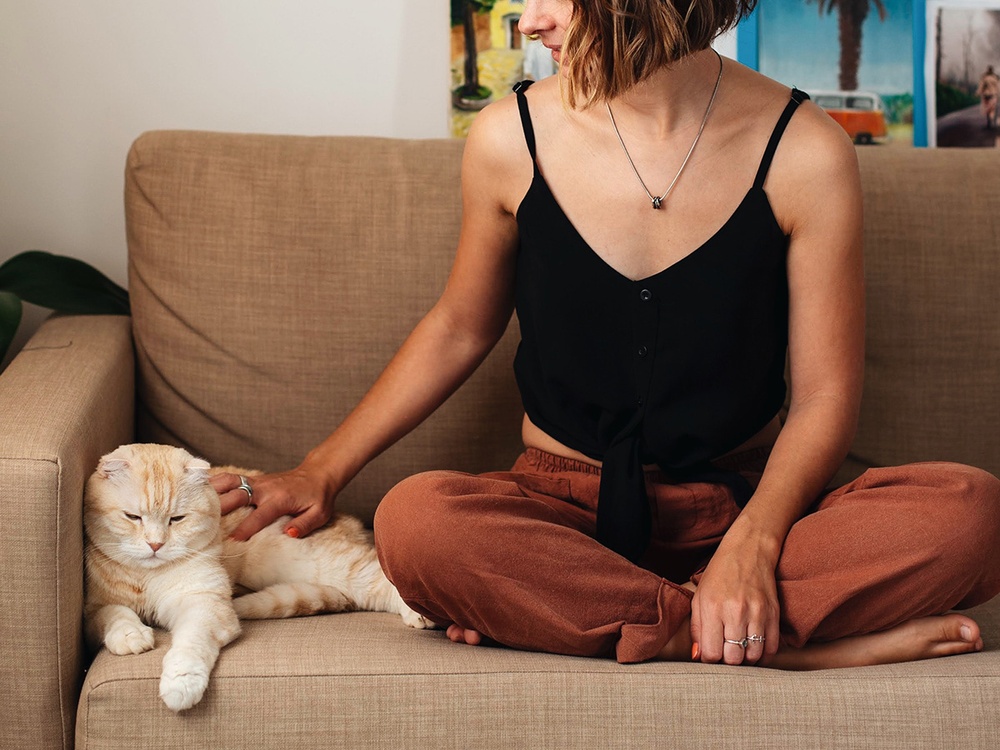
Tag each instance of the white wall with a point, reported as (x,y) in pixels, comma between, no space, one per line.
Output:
(726,44)
(79,80)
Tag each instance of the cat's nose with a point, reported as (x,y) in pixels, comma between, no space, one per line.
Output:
(154,545)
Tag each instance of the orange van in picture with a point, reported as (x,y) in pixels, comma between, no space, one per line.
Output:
(860,113)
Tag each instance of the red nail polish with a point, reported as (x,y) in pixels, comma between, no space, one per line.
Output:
(695,651)
(292,532)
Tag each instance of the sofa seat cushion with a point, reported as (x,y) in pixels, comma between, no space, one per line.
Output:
(341,680)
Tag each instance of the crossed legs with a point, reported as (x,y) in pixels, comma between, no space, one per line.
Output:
(510,557)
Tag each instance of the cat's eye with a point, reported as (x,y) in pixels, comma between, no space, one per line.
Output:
(176,519)
(132,517)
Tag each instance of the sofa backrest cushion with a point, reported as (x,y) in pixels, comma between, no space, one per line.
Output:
(932,256)
(272,278)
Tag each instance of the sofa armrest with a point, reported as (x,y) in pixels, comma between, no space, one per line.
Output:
(67,398)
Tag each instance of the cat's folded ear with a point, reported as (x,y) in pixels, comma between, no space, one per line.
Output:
(198,468)
(111,465)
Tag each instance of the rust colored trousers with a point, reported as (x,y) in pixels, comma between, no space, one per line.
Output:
(512,554)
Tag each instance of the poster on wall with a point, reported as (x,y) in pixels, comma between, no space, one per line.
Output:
(961,72)
(853,57)
(488,56)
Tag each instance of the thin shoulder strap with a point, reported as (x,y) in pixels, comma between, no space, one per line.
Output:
(522,104)
(772,145)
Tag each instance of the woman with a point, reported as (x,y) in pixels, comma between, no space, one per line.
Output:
(667,223)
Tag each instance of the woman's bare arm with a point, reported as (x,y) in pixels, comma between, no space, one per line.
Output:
(438,356)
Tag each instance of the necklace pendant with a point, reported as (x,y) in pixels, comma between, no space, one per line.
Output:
(657,202)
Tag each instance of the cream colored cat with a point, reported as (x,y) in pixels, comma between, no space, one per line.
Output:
(157,553)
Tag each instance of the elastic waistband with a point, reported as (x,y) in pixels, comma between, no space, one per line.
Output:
(752,460)
(546,461)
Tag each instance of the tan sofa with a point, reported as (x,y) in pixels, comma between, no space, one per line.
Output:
(271,278)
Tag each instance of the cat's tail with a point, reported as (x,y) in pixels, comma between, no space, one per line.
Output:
(383,597)
(292,600)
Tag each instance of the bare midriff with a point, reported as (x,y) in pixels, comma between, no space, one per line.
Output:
(534,437)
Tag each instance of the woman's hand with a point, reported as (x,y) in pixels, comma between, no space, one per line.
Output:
(737,597)
(296,493)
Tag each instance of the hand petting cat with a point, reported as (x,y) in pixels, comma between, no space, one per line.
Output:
(295,493)
(159,554)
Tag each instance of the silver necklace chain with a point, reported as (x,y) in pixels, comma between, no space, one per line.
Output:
(657,201)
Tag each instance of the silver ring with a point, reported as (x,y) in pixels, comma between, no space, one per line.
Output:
(742,643)
(756,638)
(244,485)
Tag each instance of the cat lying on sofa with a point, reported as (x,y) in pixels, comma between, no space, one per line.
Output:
(158,553)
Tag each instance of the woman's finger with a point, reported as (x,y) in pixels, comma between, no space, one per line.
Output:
(261,517)
(711,643)
(306,523)
(696,631)
(735,645)
(231,494)
(756,639)
(773,636)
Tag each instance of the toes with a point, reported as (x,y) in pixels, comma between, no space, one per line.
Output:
(458,634)
(959,634)
(957,628)
(944,635)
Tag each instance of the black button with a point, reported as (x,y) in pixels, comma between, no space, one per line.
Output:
(643,351)
(645,295)
(639,401)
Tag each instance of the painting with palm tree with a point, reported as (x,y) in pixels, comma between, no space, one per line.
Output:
(838,46)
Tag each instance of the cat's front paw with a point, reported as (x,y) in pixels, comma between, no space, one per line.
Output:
(183,681)
(129,638)
(413,620)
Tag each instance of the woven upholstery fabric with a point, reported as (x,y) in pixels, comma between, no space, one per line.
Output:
(65,399)
(272,278)
(932,238)
(365,680)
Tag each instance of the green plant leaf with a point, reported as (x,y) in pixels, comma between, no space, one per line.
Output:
(10,319)
(62,283)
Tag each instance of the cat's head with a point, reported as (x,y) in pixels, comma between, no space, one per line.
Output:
(149,505)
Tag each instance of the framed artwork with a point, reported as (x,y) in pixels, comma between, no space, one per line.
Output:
(488,56)
(957,54)
(854,57)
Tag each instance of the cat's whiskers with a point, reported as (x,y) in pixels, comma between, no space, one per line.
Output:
(130,576)
(233,555)
(187,553)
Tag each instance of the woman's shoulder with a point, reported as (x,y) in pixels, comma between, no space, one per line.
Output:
(503,117)
(815,159)
(497,134)
(496,158)
(811,139)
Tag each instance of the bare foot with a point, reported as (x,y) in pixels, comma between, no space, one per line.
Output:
(923,638)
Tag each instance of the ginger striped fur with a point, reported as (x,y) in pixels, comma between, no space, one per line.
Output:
(158,554)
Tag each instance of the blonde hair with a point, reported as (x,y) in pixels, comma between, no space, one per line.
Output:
(611,45)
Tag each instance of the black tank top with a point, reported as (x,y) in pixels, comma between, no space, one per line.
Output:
(675,369)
